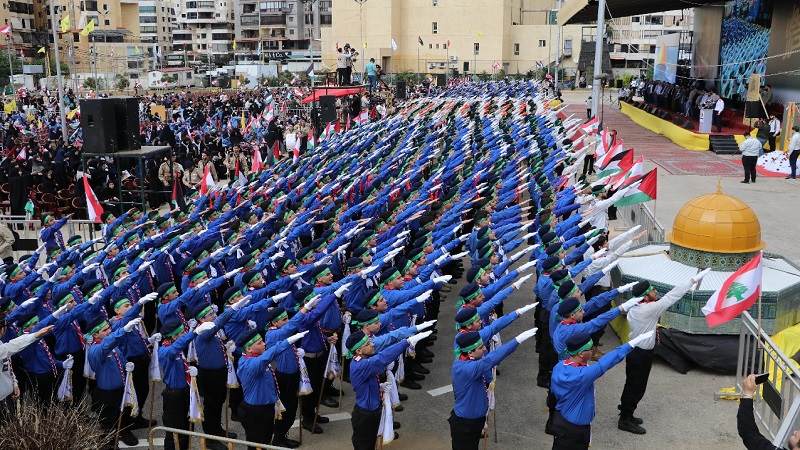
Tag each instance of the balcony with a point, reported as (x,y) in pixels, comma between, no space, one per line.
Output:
(273,20)
(202,5)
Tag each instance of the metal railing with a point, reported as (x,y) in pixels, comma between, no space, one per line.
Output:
(779,412)
(29,231)
(229,443)
(640,214)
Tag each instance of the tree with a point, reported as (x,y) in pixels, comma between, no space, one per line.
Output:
(90,83)
(484,76)
(122,82)
(406,76)
(4,73)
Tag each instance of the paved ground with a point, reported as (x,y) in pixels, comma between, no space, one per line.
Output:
(679,410)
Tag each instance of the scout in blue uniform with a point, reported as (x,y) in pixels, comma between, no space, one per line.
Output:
(573,386)
(469,386)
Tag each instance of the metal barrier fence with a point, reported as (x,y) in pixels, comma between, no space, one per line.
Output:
(229,443)
(779,412)
(28,231)
(640,214)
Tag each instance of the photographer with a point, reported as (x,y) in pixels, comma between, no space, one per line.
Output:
(746,422)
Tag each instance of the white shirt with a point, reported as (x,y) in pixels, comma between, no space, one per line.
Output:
(644,317)
(719,106)
(14,346)
(794,142)
(774,127)
(750,147)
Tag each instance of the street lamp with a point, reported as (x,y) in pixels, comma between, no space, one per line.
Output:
(105,13)
(361,24)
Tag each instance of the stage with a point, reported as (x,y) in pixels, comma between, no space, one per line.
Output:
(688,139)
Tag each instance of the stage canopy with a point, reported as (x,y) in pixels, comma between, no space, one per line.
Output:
(335,91)
(583,11)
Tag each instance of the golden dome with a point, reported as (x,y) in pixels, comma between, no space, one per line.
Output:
(717,223)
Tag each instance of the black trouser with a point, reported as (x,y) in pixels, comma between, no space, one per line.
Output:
(78,380)
(593,292)
(8,409)
(212,386)
(365,427)
(258,422)
(718,120)
(749,163)
(568,436)
(340,74)
(465,434)
(44,386)
(637,371)
(315,367)
(547,353)
(588,165)
(106,403)
(141,378)
(793,162)
(176,415)
(772,139)
(588,113)
(289,384)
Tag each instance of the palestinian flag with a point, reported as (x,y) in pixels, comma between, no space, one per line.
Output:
(610,163)
(178,197)
(208,181)
(310,145)
(628,173)
(419,39)
(327,132)
(641,191)
(737,294)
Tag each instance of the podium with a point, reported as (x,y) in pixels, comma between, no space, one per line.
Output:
(706,120)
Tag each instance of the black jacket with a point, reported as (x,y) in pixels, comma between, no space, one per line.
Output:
(748,430)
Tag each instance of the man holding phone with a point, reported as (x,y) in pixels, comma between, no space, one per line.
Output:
(746,422)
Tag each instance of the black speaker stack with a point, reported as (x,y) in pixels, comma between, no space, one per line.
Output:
(110,125)
(400,90)
(327,105)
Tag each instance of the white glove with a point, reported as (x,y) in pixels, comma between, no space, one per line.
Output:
(527,266)
(55,276)
(624,248)
(192,323)
(40,249)
(192,371)
(90,267)
(68,363)
(156,337)
(457,228)
(186,236)
(413,340)
(129,366)
(459,255)
(626,287)
(589,233)
(526,308)
(365,273)
(442,279)
(522,253)
(146,264)
(251,325)
(699,276)
(599,254)
(628,305)
(241,303)
(217,253)
(424,296)
(525,335)
(342,289)
(278,254)
(440,260)
(203,327)
(44,268)
(232,273)
(528,236)
(60,311)
(313,302)
(641,338)
(277,298)
(517,284)
(324,261)
(148,298)
(463,237)
(425,325)
(121,281)
(297,275)
(591,241)
(93,299)
(607,269)
(633,230)
(132,324)
(296,337)
(203,284)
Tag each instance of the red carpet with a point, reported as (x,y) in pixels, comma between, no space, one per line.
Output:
(762,171)
(734,126)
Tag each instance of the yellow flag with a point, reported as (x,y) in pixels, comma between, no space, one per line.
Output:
(65,24)
(88,28)
(234,44)
(41,50)
(479,34)
(365,43)
(10,107)
(243,124)
(137,50)
(40,124)
(71,114)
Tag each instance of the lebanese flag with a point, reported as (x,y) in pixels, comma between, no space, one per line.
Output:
(258,165)
(737,294)
(5,29)
(347,123)
(362,118)
(208,181)
(628,173)
(326,132)
(296,150)
(311,138)
(92,204)
(276,150)
(609,163)
(270,113)
(641,191)
(591,126)
(602,147)
(23,155)
(298,92)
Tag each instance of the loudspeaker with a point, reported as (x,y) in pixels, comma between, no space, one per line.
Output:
(688,125)
(754,110)
(619,83)
(127,113)
(327,105)
(400,90)
(99,124)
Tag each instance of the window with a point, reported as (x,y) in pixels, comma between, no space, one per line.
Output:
(430,46)
(568,47)
(654,20)
(542,43)
(435,28)
(437,46)
(477,47)
(635,19)
(516,49)
(291,32)
(652,49)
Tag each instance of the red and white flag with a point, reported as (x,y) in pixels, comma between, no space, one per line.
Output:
(208,181)
(362,118)
(5,29)
(92,204)
(22,155)
(591,126)
(296,150)
(347,123)
(737,294)
(257,163)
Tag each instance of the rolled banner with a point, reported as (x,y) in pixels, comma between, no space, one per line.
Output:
(155,368)
(305,382)
(332,368)
(87,368)
(490,391)
(386,428)
(347,317)
(65,388)
(279,409)
(231,380)
(195,407)
(401,369)
(394,396)
(129,396)
(496,342)
(191,353)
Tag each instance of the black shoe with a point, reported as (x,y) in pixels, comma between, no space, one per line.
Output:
(323,419)
(127,438)
(543,382)
(410,384)
(285,442)
(435,331)
(141,422)
(626,424)
(453,281)
(329,402)
(396,435)
(745,182)
(753,181)
(425,352)
(790,177)
(333,392)
(414,376)
(402,397)
(399,408)
(396,425)
(317,430)
(423,360)
(235,417)
(420,369)
(548,427)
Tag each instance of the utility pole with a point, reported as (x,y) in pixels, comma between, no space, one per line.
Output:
(558,44)
(598,57)
(61,108)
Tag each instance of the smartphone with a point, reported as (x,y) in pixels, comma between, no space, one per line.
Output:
(760,379)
